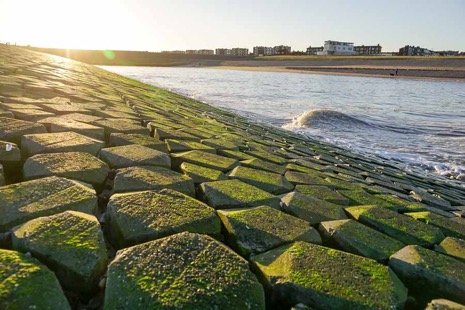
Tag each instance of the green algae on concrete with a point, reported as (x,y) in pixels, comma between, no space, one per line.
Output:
(429,274)
(72,165)
(176,146)
(453,247)
(152,178)
(162,134)
(134,155)
(63,125)
(263,165)
(305,178)
(203,159)
(220,144)
(235,154)
(268,156)
(119,126)
(311,209)
(271,182)
(24,201)
(360,197)
(359,239)
(322,193)
(134,218)
(444,304)
(120,139)
(324,278)
(448,226)
(59,142)
(231,194)
(401,205)
(183,271)
(70,243)
(200,174)
(2,176)
(398,226)
(12,130)
(259,229)
(25,283)
(30,115)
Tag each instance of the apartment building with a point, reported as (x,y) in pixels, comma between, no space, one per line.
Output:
(337,48)
(414,51)
(368,49)
(173,52)
(263,51)
(239,51)
(314,50)
(223,51)
(282,50)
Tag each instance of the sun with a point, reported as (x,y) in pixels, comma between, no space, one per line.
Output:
(80,24)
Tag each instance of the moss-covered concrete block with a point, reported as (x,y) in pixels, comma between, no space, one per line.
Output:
(200,174)
(259,229)
(119,126)
(323,193)
(203,159)
(25,201)
(176,146)
(72,165)
(360,197)
(25,283)
(453,247)
(30,114)
(231,194)
(323,278)
(444,304)
(359,239)
(268,156)
(311,209)
(398,226)
(70,243)
(134,155)
(2,176)
(59,142)
(84,129)
(184,271)
(163,134)
(448,226)
(297,178)
(263,165)
(220,144)
(134,218)
(235,154)
(429,274)
(83,118)
(10,155)
(120,139)
(60,109)
(11,130)
(152,178)
(271,182)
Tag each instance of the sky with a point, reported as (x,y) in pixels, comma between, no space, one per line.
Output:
(157,25)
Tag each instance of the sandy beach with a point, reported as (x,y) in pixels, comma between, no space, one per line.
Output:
(444,73)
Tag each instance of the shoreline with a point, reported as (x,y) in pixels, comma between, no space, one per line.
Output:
(362,72)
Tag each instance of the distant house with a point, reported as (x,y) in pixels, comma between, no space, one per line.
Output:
(238,51)
(173,52)
(206,52)
(263,51)
(314,50)
(368,49)
(337,48)
(282,50)
(414,51)
(223,51)
(192,52)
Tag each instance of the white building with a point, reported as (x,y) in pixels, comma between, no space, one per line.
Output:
(263,51)
(239,51)
(337,48)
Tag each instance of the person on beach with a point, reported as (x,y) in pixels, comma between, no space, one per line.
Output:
(397,71)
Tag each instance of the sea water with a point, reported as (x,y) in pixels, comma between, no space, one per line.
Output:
(417,124)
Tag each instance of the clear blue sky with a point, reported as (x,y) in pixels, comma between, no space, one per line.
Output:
(156,25)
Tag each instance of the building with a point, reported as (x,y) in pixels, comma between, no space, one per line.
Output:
(446,53)
(282,50)
(263,51)
(206,52)
(173,52)
(238,51)
(414,51)
(223,51)
(337,48)
(368,49)
(314,50)
(192,52)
